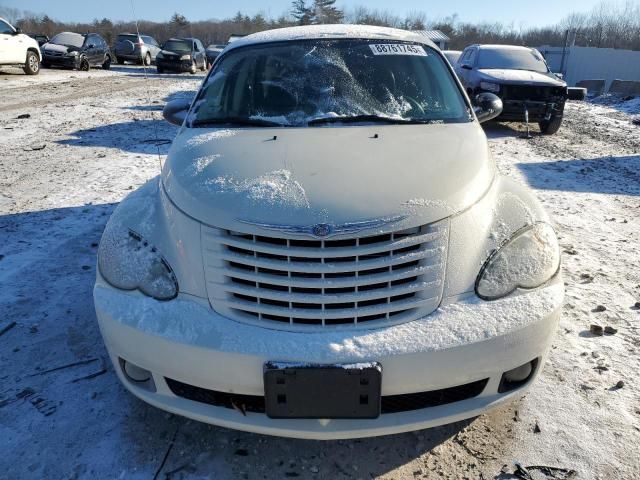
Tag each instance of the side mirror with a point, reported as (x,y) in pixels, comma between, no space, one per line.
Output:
(18,31)
(175,111)
(466,67)
(487,106)
(559,75)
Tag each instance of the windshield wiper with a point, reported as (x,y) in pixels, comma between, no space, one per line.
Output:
(244,121)
(361,118)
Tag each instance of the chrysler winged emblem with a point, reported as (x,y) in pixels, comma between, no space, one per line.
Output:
(324,230)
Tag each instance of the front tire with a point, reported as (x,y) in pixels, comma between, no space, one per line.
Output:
(84,64)
(193,68)
(32,64)
(551,126)
(147,59)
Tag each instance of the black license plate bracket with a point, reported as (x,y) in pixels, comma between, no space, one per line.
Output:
(295,390)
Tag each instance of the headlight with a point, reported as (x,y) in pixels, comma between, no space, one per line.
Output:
(128,262)
(72,54)
(185,57)
(530,258)
(490,87)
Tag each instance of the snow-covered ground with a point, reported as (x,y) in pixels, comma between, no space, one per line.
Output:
(92,137)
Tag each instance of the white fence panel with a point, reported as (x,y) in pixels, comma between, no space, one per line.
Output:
(590,63)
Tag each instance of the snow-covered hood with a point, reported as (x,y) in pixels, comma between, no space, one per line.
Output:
(335,175)
(520,76)
(53,47)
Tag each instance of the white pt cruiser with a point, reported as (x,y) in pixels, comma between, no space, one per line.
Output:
(329,251)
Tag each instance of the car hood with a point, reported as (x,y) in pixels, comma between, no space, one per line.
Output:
(54,47)
(520,77)
(414,174)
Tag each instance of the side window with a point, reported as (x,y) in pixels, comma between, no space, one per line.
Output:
(464,57)
(195,46)
(472,57)
(5,28)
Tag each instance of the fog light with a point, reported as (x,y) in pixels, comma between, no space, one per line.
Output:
(135,373)
(517,377)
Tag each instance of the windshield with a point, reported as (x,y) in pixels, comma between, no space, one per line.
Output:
(502,58)
(303,82)
(177,46)
(130,37)
(68,39)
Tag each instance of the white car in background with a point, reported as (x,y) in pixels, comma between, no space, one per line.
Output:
(18,49)
(329,251)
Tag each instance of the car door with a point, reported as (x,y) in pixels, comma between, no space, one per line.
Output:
(196,54)
(12,48)
(465,66)
(90,49)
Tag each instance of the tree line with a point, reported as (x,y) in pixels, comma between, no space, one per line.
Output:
(611,24)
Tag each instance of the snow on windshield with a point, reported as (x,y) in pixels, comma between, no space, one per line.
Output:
(68,39)
(512,59)
(298,82)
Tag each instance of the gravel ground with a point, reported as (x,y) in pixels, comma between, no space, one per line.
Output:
(91,138)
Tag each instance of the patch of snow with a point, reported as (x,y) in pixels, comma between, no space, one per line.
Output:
(276,187)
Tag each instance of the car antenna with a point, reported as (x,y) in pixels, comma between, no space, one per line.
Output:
(146,81)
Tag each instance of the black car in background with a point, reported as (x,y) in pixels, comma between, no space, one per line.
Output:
(213,51)
(520,77)
(76,50)
(182,55)
(40,38)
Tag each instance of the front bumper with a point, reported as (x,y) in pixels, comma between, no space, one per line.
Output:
(514,110)
(60,61)
(461,343)
(174,65)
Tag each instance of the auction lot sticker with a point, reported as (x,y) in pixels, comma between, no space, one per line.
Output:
(397,49)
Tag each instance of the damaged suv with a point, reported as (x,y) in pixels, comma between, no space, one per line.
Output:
(521,78)
(329,251)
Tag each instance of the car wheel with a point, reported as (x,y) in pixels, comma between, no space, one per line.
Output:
(193,68)
(551,126)
(32,64)
(147,59)
(84,64)
(204,66)
(106,65)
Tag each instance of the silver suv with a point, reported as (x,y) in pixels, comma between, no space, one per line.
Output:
(133,48)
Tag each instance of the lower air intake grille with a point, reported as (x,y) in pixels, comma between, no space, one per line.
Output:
(390,404)
(384,278)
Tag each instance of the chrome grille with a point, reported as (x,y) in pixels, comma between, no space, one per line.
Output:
(386,278)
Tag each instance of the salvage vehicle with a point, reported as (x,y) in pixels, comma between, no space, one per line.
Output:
(213,51)
(39,37)
(131,47)
(530,92)
(452,56)
(329,251)
(76,51)
(18,49)
(182,55)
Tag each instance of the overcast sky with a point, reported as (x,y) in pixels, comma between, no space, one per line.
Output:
(530,13)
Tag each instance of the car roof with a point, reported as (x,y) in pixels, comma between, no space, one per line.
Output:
(311,32)
(503,47)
